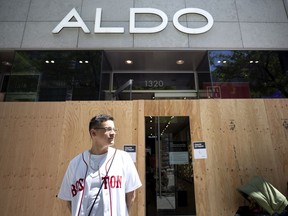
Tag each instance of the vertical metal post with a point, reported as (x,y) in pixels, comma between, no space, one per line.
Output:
(131,84)
(124,86)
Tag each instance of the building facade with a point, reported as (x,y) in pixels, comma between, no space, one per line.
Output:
(237,25)
(101,50)
(193,42)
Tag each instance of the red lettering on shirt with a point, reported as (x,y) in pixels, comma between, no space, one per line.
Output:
(112,181)
(77,187)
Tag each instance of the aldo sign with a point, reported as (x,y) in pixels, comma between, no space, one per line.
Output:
(79,23)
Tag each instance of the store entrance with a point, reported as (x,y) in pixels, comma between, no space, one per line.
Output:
(169,170)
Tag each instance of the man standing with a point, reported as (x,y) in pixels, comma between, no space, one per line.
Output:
(102,180)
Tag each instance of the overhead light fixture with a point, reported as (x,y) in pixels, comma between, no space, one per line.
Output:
(81,62)
(128,61)
(6,63)
(180,62)
(48,62)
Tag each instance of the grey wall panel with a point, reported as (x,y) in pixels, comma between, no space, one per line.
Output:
(169,8)
(265,35)
(222,34)
(286,6)
(168,38)
(112,10)
(263,24)
(261,11)
(51,10)
(38,35)
(221,10)
(14,10)
(102,41)
(11,34)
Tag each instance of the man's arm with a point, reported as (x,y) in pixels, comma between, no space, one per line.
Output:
(130,197)
(69,205)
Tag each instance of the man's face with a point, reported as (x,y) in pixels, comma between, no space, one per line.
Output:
(104,135)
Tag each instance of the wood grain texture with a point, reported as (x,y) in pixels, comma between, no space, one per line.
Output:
(244,137)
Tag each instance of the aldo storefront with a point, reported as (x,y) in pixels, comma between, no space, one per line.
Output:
(175,66)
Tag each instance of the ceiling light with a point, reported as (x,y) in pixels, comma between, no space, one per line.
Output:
(6,63)
(86,62)
(80,62)
(52,61)
(128,61)
(251,62)
(180,62)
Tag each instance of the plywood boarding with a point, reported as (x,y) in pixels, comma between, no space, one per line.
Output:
(29,138)
(138,123)
(277,115)
(243,138)
(239,145)
(240,136)
(37,141)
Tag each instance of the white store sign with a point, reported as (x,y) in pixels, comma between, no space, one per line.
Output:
(79,23)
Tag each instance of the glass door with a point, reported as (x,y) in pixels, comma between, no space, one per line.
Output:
(169,170)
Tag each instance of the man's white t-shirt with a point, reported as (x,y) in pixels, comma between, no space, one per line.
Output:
(81,183)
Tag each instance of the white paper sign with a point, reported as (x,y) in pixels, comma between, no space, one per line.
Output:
(131,150)
(200,150)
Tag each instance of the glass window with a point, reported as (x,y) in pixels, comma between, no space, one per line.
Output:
(55,76)
(156,81)
(248,74)
(93,75)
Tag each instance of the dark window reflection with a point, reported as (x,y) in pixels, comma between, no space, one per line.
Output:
(248,74)
(55,76)
(156,81)
(90,75)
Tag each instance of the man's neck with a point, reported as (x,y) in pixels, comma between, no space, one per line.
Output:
(98,151)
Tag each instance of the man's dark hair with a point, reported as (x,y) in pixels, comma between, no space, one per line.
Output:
(97,120)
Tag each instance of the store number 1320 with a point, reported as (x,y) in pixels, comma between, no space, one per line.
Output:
(154,83)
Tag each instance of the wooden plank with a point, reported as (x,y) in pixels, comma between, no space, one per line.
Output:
(216,164)
(234,155)
(277,114)
(254,134)
(30,151)
(199,166)
(39,139)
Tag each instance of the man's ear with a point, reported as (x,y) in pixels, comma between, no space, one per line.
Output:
(92,132)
